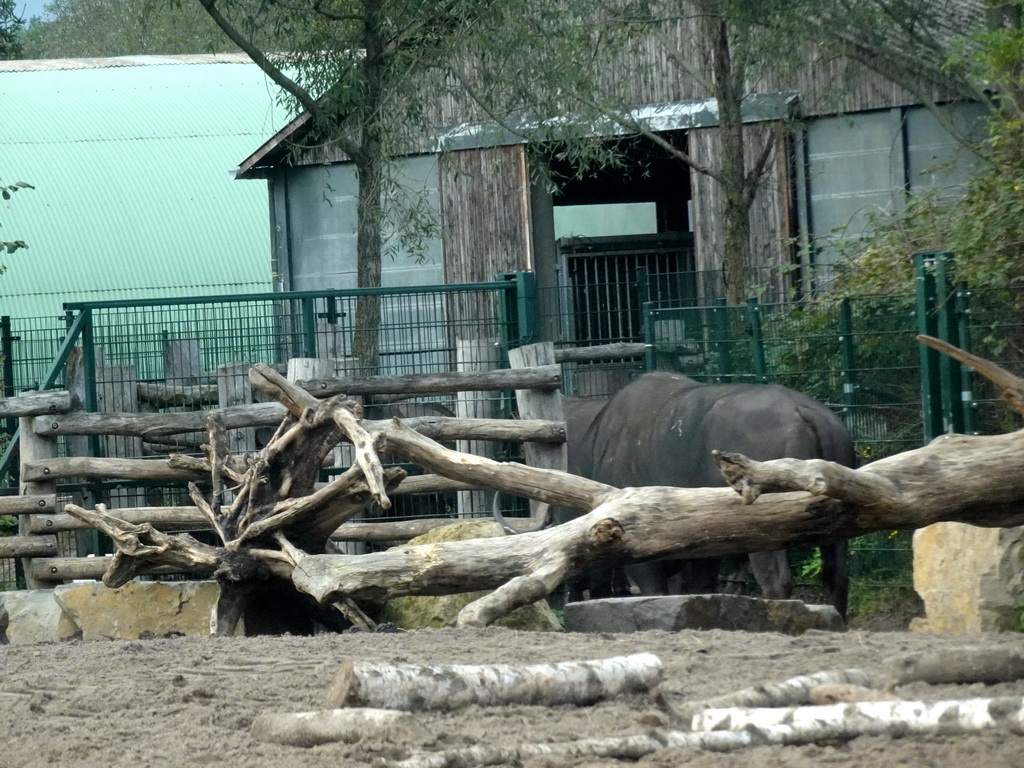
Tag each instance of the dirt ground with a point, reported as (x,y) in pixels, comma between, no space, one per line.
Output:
(191,701)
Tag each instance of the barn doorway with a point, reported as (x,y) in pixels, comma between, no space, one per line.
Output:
(622,236)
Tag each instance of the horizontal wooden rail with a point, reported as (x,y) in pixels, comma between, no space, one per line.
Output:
(164,518)
(163,424)
(27,505)
(34,404)
(169,518)
(623,350)
(541,377)
(28,546)
(70,568)
(145,424)
(96,468)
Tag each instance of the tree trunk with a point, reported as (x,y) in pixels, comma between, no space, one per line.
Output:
(371,176)
(728,74)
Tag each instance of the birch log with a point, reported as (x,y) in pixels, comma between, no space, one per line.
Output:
(757,727)
(448,687)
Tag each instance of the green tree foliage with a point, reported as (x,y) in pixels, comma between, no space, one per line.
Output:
(983,228)
(10,246)
(92,28)
(377,78)
(11,25)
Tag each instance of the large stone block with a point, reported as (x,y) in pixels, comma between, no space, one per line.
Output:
(420,612)
(971,579)
(678,612)
(33,616)
(140,608)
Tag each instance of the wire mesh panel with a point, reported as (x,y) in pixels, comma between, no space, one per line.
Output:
(868,373)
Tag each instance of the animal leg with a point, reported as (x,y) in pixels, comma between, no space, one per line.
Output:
(771,571)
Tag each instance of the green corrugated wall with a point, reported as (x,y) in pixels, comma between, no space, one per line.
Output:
(131,162)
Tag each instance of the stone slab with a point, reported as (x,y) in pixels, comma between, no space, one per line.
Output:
(139,609)
(695,612)
(33,616)
(970,579)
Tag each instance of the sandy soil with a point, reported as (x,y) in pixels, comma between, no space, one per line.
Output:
(191,701)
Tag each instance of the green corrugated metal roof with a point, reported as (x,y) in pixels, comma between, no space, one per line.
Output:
(131,162)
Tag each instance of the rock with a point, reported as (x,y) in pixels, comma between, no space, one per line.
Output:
(438,611)
(677,612)
(33,616)
(971,579)
(140,608)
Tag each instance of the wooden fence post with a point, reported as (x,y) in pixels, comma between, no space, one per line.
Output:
(33,446)
(233,388)
(117,391)
(475,355)
(539,404)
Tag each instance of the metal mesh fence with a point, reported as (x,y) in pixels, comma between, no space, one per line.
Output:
(194,354)
(861,359)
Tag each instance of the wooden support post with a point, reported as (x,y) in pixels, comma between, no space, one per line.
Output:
(117,392)
(183,362)
(475,355)
(86,541)
(33,446)
(539,404)
(233,388)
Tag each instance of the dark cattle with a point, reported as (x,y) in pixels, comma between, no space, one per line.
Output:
(661,429)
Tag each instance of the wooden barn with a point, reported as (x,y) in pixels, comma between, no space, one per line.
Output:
(861,143)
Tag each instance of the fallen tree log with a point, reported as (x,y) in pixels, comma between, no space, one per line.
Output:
(771,505)
(416,687)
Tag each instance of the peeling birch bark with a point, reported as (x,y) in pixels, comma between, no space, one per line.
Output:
(415,687)
(876,718)
(793,692)
(776,727)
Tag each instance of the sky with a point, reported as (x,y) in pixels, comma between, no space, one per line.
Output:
(29,8)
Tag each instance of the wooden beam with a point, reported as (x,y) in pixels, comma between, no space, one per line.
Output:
(97,468)
(27,505)
(70,568)
(145,425)
(34,404)
(28,546)
(546,377)
(164,518)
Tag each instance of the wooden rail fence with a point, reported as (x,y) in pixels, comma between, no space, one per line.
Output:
(144,437)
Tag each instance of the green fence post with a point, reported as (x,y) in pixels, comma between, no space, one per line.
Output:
(519,316)
(963,314)
(650,343)
(757,341)
(7,353)
(309,326)
(949,332)
(643,286)
(720,312)
(848,351)
(927,323)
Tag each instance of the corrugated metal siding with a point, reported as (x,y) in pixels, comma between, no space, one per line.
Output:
(133,195)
